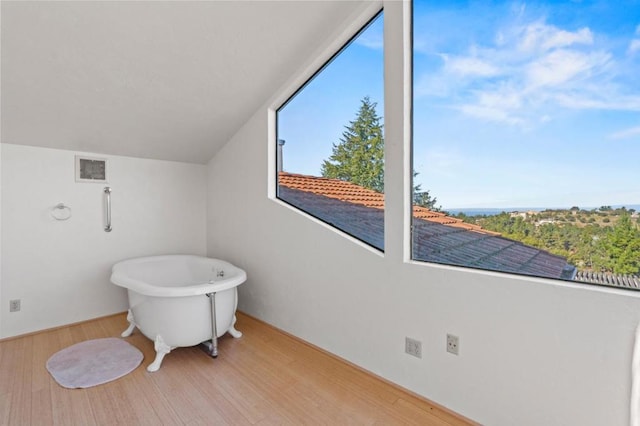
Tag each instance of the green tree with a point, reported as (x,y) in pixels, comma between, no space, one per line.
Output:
(622,247)
(359,156)
(424,198)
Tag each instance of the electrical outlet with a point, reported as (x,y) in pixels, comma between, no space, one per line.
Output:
(14,305)
(453,344)
(413,347)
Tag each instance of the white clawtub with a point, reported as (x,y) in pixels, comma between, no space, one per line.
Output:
(177,300)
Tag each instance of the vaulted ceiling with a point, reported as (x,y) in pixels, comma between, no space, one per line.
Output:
(170,80)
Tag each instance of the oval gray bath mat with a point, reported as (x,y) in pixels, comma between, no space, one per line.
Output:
(93,362)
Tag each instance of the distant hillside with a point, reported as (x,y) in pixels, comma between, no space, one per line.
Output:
(606,239)
(483,211)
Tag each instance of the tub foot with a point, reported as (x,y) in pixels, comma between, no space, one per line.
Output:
(161,350)
(132,325)
(232,330)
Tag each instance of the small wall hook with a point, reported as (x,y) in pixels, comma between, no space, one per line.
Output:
(61,212)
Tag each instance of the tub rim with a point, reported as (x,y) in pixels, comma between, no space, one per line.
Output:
(121,279)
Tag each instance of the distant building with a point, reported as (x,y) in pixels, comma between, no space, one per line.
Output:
(545,222)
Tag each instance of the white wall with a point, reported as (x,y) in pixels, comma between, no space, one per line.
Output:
(60,269)
(532,351)
(1,300)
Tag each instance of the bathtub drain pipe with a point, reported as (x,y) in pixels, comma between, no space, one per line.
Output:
(213,349)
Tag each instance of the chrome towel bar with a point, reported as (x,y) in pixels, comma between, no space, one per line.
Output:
(107,206)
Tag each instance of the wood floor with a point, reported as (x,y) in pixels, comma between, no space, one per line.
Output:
(266,377)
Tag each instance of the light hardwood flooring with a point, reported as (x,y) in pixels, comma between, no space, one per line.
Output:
(265,377)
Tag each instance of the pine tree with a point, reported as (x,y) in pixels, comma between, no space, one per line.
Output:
(423,198)
(622,248)
(359,156)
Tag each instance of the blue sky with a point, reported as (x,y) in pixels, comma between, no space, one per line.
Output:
(516,104)
(316,117)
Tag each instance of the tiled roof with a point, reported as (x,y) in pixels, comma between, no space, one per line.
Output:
(356,194)
(445,244)
(608,279)
(333,188)
(434,241)
(365,223)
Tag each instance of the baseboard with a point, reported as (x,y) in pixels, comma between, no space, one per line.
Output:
(33,333)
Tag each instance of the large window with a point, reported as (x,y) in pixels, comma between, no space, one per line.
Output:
(330,159)
(526,138)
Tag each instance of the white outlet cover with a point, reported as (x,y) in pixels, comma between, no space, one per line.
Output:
(413,347)
(453,344)
(14,305)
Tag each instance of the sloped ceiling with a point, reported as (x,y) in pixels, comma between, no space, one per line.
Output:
(171,80)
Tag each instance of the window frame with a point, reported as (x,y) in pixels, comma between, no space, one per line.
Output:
(398,122)
(273,158)
(409,194)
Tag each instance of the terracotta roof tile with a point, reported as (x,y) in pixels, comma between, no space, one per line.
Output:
(333,188)
(356,194)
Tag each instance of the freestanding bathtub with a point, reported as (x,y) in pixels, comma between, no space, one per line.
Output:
(177,300)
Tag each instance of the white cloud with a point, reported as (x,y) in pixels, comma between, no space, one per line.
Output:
(442,161)
(503,98)
(373,41)
(563,65)
(540,37)
(561,38)
(470,66)
(634,46)
(372,37)
(501,115)
(438,85)
(598,99)
(626,133)
(528,72)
